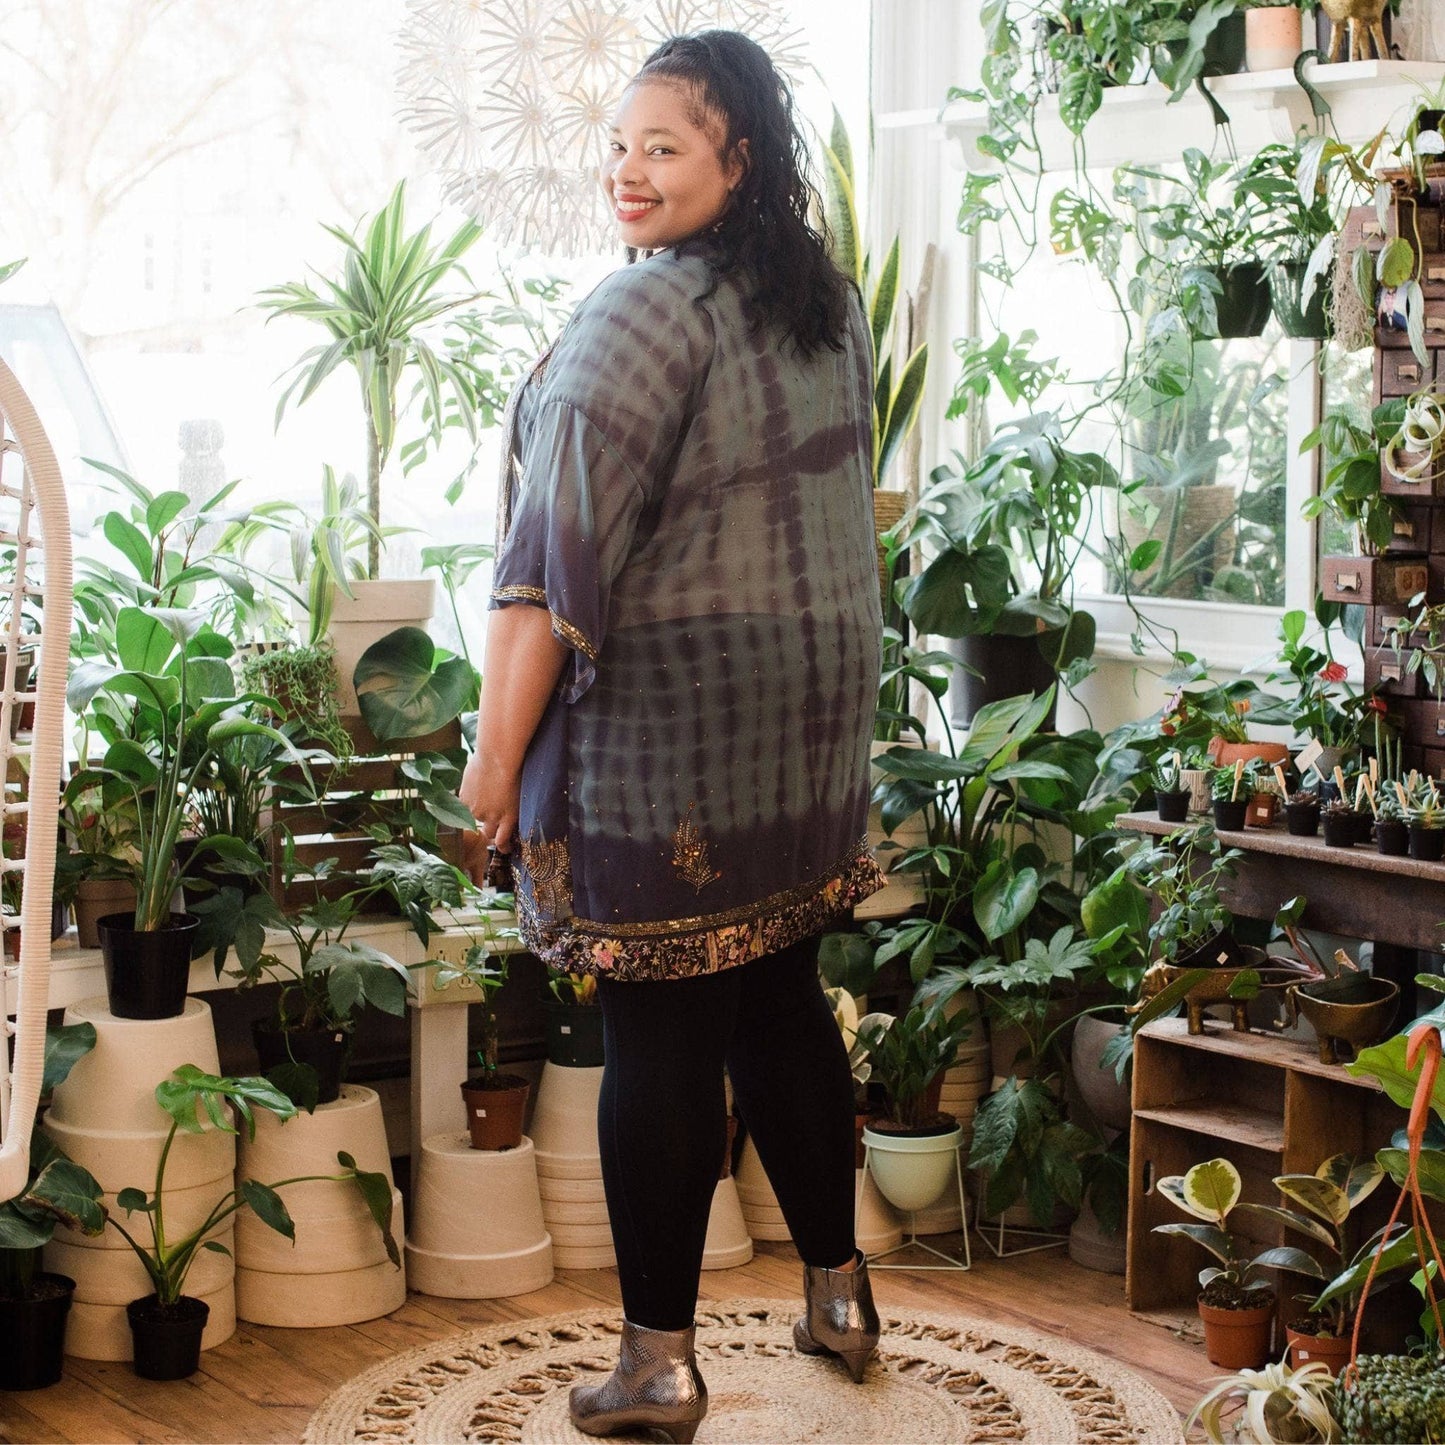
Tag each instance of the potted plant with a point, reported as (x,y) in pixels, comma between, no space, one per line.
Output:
(1393,1398)
(1231,797)
(913,1149)
(167,1324)
(1208,265)
(574,1021)
(1265,798)
(1184,875)
(182,709)
(1277,1403)
(1350,481)
(1427,823)
(103,851)
(1006,533)
(34,1303)
(305,683)
(1325,1201)
(1237,1312)
(1341,823)
(1302,813)
(1274,33)
(326,979)
(1392,826)
(381,315)
(1170,796)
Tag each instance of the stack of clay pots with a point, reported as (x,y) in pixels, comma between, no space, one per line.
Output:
(569,1167)
(477,1228)
(105,1117)
(761,1213)
(337,1272)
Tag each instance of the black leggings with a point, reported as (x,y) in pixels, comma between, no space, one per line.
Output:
(662,1127)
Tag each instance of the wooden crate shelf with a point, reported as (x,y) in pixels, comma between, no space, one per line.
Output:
(1265,1103)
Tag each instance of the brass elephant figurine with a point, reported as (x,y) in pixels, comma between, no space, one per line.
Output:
(1364,20)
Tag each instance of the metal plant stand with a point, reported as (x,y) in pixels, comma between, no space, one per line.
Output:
(912,1241)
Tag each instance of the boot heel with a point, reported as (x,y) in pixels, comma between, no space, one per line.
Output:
(857,1362)
(680,1434)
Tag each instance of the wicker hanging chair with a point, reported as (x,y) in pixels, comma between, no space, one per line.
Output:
(35,525)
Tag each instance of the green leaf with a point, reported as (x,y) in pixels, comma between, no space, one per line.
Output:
(1004,899)
(1208,1191)
(1321,1198)
(375,1189)
(1396,262)
(163,510)
(401,690)
(1396,1162)
(64,1045)
(130,542)
(69,1193)
(1386,1062)
(268,1206)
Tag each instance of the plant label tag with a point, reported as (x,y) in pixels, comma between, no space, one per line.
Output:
(337,1039)
(1310,755)
(564,1028)
(480,1113)
(1222,958)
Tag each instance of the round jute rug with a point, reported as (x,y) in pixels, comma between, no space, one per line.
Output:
(939,1378)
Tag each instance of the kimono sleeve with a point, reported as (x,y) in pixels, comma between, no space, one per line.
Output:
(572,525)
(610,415)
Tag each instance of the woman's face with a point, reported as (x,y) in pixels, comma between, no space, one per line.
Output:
(663,175)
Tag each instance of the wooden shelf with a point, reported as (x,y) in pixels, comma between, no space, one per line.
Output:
(1237,1123)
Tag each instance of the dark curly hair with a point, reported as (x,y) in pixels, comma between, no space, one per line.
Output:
(766,232)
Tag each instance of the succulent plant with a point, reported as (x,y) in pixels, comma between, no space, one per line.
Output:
(1394,1398)
(1166,776)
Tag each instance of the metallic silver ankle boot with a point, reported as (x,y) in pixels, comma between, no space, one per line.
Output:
(655,1386)
(841,1319)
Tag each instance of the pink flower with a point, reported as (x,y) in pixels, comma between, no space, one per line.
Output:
(1334,672)
(604,954)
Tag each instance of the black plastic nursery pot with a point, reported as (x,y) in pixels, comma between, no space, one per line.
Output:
(1229,814)
(1302,820)
(33,1330)
(1342,829)
(1427,844)
(1224,51)
(146,973)
(1392,837)
(166,1339)
(323,1049)
(1304,320)
(1243,306)
(574,1035)
(1173,807)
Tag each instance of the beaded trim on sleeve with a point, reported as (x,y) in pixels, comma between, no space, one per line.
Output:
(570,634)
(683,947)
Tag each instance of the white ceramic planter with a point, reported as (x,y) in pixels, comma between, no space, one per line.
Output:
(126,1158)
(728,1242)
(912,1171)
(755,1193)
(113,1087)
(338,1248)
(575,1256)
(379,607)
(569,1167)
(115,1276)
(457,1253)
(564,1121)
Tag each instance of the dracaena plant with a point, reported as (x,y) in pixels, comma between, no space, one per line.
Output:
(380,314)
(906,1053)
(192,1098)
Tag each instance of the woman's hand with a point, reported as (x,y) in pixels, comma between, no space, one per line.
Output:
(492,793)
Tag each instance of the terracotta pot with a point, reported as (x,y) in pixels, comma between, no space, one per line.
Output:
(494,1115)
(1237,1339)
(1272,37)
(94,898)
(1262,810)
(1330,1350)
(1226,754)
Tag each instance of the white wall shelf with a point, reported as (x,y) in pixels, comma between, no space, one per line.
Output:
(1136,124)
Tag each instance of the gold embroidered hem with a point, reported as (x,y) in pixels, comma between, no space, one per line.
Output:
(685,947)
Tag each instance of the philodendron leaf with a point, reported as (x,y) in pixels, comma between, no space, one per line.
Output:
(65,1044)
(376,1191)
(1386,1062)
(268,1206)
(70,1193)
(1431,1174)
(401,689)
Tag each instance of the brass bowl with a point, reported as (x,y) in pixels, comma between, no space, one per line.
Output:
(1353,1009)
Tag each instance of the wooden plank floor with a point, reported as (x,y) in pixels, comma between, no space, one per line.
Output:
(263,1384)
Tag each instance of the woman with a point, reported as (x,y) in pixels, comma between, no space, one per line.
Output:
(681,674)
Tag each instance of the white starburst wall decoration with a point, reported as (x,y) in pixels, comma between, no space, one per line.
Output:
(511,99)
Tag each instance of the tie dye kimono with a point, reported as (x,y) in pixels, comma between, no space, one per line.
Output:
(690,501)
